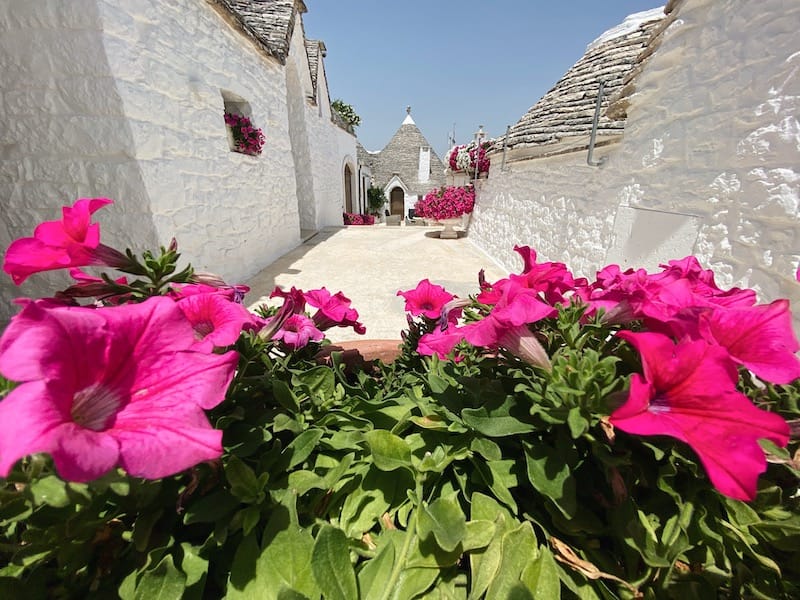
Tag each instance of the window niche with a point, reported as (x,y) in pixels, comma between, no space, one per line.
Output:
(243,135)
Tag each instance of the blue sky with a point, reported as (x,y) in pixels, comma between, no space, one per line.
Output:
(468,62)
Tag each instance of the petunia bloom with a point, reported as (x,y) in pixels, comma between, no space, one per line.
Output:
(440,342)
(507,325)
(297,331)
(427,299)
(334,310)
(74,241)
(688,392)
(107,387)
(759,337)
(216,320)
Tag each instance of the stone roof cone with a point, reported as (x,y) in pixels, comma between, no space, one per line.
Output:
(401,156)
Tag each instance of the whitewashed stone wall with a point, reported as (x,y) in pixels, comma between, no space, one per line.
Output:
(712,144)
(63,133)
(300,91)
(231,213)
(321,148)
(124,100)
(553,205)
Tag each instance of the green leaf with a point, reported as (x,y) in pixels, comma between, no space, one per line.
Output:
(498,421)
(445,520)
(486,448)
(493,476)
(389,451)
(478,535)
(550,474)
(302,481)
(283,564)
(519,548)
(212,508)
(320,383)
(244,483)
(302,446)
(540,576)
(285,396)
(50,490)
(413,582)
(142,528)
(331,566)
(485,564)
(196,569)
(164,582)
(374,575)
(578,425)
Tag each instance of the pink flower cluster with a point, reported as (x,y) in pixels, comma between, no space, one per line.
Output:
(694,336)
(470,158)
(248,139)
(446,203)
(358,219)
(296,330)
(113,383)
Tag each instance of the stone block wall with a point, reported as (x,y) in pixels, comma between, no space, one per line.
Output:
(125,100)
(231,213)
(63,133)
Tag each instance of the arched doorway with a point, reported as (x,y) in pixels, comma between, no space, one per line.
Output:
(348,189)
(397,201)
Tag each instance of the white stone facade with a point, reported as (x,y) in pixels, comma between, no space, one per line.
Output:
(709,163)
(125,100)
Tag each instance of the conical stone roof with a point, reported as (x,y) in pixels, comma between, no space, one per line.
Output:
(562,120)
(401,157)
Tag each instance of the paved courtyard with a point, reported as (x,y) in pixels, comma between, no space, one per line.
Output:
(370,264)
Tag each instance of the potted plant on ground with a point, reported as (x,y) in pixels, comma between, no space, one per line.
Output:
(447,205)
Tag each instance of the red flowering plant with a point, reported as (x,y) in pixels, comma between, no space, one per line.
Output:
(449,202)
(633,436)
(247,138)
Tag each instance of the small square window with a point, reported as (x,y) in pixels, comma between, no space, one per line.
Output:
(243,135)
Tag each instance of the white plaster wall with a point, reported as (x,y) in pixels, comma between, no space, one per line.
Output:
(63,133)
(550,205)
(231,213)
(714,132)
(328,147)
(300,91)
(712,142)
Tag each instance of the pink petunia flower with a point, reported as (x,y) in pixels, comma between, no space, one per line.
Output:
(216,320)
(100,388)
(297,331)
(74,241)
(334,310)
(759,337)
(507,325)
(688,392)
(427,299)
(440,342)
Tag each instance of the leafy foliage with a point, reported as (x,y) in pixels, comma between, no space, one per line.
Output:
(376,199)
(347,112)
(420,479)
(485,477)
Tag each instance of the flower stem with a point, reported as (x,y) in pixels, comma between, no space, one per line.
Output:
(411,534)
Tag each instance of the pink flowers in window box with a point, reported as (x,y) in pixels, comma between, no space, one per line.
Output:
(448,202)
(247,138)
